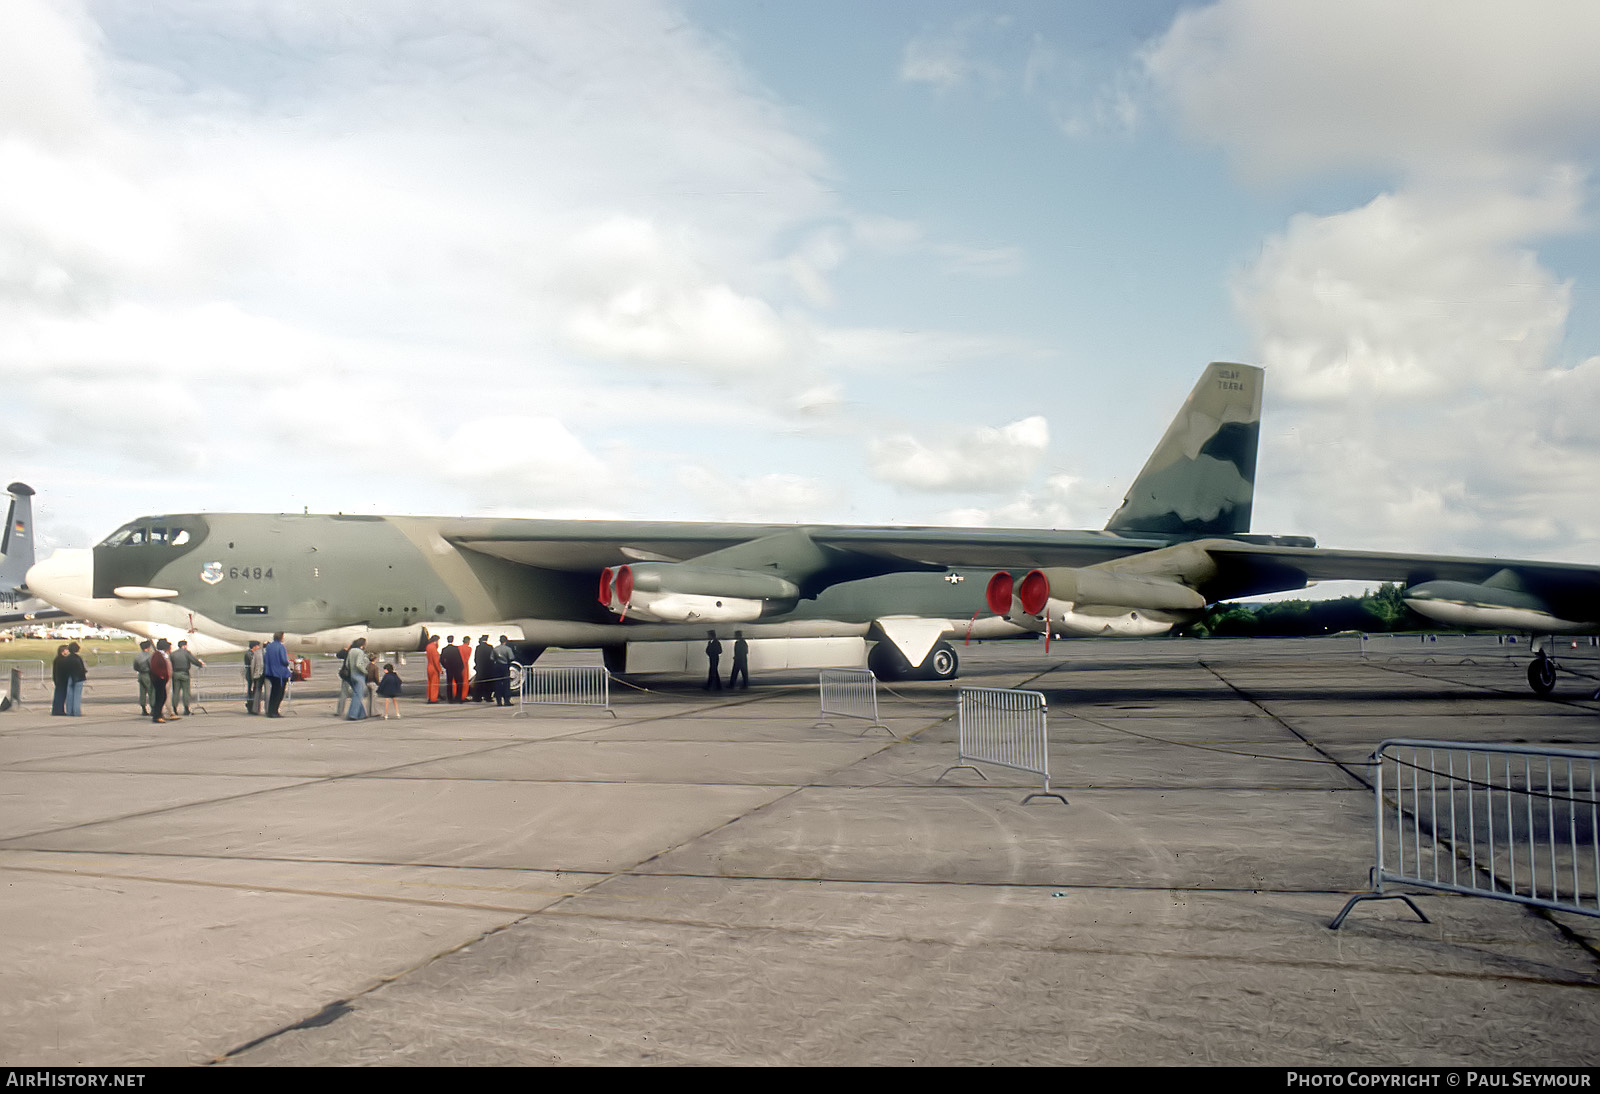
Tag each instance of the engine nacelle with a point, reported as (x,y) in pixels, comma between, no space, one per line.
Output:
(676,592)
(1069,601)
(1100,587)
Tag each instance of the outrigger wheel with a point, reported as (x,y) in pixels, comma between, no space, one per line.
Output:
(1542,673)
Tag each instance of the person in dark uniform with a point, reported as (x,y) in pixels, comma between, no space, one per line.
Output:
(450,658)
(483,671)
(58,676)
(741,662)
(713,655)
(141,667)
(253,664)
(504,656)
(183,663)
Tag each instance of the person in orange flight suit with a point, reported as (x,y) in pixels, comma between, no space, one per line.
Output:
(435,668)
(466,666)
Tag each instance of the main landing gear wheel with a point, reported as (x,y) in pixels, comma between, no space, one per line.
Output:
(1542,674)
(941,663)
(888,663)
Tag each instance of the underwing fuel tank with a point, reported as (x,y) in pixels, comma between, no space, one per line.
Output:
(1497,604)
(399,639)
(673,592)
(1068,601)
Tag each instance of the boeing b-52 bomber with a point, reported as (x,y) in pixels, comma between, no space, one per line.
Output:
(647,593)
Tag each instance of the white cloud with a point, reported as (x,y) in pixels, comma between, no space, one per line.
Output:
(1053,505)
(986,458)
(508,461)
(635,297)
(1416,339)
(1412,296)
(771,497)
(908,352)
(951,57)
(263,241)
(1115,106)
(1415,344)
(1370,83)
(47,78)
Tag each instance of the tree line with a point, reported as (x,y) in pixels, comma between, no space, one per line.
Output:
(1379,611)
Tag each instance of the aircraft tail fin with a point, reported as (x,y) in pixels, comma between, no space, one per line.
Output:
(1200,480)
(16,543)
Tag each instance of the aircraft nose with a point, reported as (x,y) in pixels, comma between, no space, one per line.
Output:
(36,579)
(65,573)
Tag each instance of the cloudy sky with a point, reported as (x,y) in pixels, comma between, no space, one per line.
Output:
(928,262)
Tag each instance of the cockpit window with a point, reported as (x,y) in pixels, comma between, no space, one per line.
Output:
(137,534)
(124,536)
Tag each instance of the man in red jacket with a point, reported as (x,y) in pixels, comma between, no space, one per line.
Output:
(160,673)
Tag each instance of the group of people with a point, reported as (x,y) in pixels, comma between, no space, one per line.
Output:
(456,674)
(266,672)
(161,669)
(360,682)
(741,662)
(470,675)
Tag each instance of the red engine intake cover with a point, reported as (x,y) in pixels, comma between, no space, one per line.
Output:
(998,593)
(624,585)
(605,586)
(1034,592)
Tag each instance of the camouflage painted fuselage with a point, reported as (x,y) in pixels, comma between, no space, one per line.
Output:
(245,575)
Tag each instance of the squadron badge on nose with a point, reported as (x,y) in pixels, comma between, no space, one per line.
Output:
(211,573)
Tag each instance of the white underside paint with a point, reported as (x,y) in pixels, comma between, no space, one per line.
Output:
(766,654)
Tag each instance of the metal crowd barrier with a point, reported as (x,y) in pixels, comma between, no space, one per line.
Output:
(1507,822)
(220,684)
(850,693)
(12,699)
(1007,728)
(565,685)
(15,663)
(223,682)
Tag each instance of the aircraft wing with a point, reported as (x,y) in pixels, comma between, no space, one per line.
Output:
(1568,592)
(590,545)
(818,556)
(44,612)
